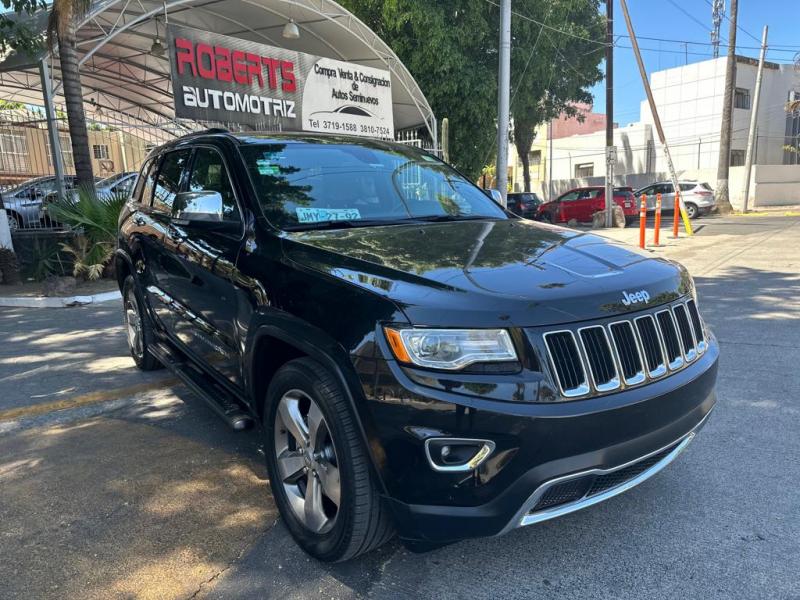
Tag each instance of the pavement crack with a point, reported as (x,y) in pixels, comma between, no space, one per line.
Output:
(245,549)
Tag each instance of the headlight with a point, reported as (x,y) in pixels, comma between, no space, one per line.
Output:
(450,348)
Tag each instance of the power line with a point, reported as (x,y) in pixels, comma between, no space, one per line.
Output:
(739,27)
(688,14)
(550,27)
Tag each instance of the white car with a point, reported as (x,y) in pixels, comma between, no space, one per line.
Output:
(697,197)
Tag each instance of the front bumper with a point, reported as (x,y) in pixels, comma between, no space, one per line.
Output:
(538,446)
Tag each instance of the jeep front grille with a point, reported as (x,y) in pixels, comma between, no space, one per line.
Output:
(605,357)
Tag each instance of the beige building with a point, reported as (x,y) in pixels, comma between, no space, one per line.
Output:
(25,151)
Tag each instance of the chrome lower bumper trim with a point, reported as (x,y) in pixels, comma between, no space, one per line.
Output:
(525,517)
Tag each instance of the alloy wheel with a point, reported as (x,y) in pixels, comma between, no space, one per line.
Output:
(13,224)
(307,462)
(133,325)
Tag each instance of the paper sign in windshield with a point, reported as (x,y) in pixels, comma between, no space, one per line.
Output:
(320,215)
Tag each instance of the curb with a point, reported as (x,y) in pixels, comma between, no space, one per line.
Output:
(40,302)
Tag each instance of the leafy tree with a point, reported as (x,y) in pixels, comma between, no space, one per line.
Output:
(550,70)
(15,30)
(450,47)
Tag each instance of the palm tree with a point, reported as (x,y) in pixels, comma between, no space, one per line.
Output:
(61,32)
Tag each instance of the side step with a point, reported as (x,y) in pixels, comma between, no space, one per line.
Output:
(220,401)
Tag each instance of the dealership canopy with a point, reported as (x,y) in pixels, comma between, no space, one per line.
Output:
(123,71)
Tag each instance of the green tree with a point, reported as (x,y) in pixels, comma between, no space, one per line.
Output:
(552,70)
(16,32)
(450,47)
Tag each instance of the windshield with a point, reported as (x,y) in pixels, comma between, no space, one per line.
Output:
(304,185)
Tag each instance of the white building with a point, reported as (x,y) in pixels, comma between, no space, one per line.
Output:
(690,101)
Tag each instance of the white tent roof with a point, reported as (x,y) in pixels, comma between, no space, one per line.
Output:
(119,74)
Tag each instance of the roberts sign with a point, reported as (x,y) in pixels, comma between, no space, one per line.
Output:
(228,80)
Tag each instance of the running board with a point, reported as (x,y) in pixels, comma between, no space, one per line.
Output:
(222,403)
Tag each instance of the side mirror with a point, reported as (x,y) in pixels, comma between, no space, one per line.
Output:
(495,195)
(198,206)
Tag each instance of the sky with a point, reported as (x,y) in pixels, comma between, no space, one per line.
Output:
(663,19)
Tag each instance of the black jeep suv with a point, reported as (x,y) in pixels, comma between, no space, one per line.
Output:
(418,359)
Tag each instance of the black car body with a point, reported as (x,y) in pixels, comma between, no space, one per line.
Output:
(606,370)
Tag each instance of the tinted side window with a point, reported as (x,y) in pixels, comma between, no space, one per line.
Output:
(685,187)
(210,175)
(169,179)
(144,185)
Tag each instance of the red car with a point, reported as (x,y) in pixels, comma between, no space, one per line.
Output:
(581,203)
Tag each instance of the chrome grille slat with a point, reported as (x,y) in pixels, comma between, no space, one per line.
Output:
(600,360)
(669,338)
(685,332)
(628,352)
(697,326)
(566,362)
(651,345)
(604,357)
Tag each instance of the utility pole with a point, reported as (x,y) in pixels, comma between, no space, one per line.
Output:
(611,154)
(654,111)
(503,92)
(722,190)
(751,136)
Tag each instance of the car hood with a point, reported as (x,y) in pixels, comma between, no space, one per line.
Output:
(491,273)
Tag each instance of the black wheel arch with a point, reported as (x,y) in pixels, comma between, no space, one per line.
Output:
(296,338)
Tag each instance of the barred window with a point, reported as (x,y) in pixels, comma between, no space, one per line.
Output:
(100,151)
(14,153)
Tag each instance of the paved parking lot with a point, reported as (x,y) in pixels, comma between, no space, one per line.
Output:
(115,483)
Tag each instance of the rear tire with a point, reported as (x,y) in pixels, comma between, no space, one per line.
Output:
(138,327)
(310,431)
(691,210)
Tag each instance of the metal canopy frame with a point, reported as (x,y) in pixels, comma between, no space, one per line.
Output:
(119,75)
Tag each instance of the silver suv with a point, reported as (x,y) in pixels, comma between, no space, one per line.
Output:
(697,197)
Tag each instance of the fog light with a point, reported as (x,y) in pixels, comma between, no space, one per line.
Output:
(457,455)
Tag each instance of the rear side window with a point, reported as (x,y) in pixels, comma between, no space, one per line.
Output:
(144,186)
(210,175)
(169,179)
(685,187)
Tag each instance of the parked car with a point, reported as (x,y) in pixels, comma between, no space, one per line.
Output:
(421,362)
(698,198)
(122,183)
(23,203)
(581,203)
(524,204)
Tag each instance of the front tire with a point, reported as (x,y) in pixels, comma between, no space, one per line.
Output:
(138,327)
(319,471)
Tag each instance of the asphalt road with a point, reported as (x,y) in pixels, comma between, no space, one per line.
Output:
(120,484)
